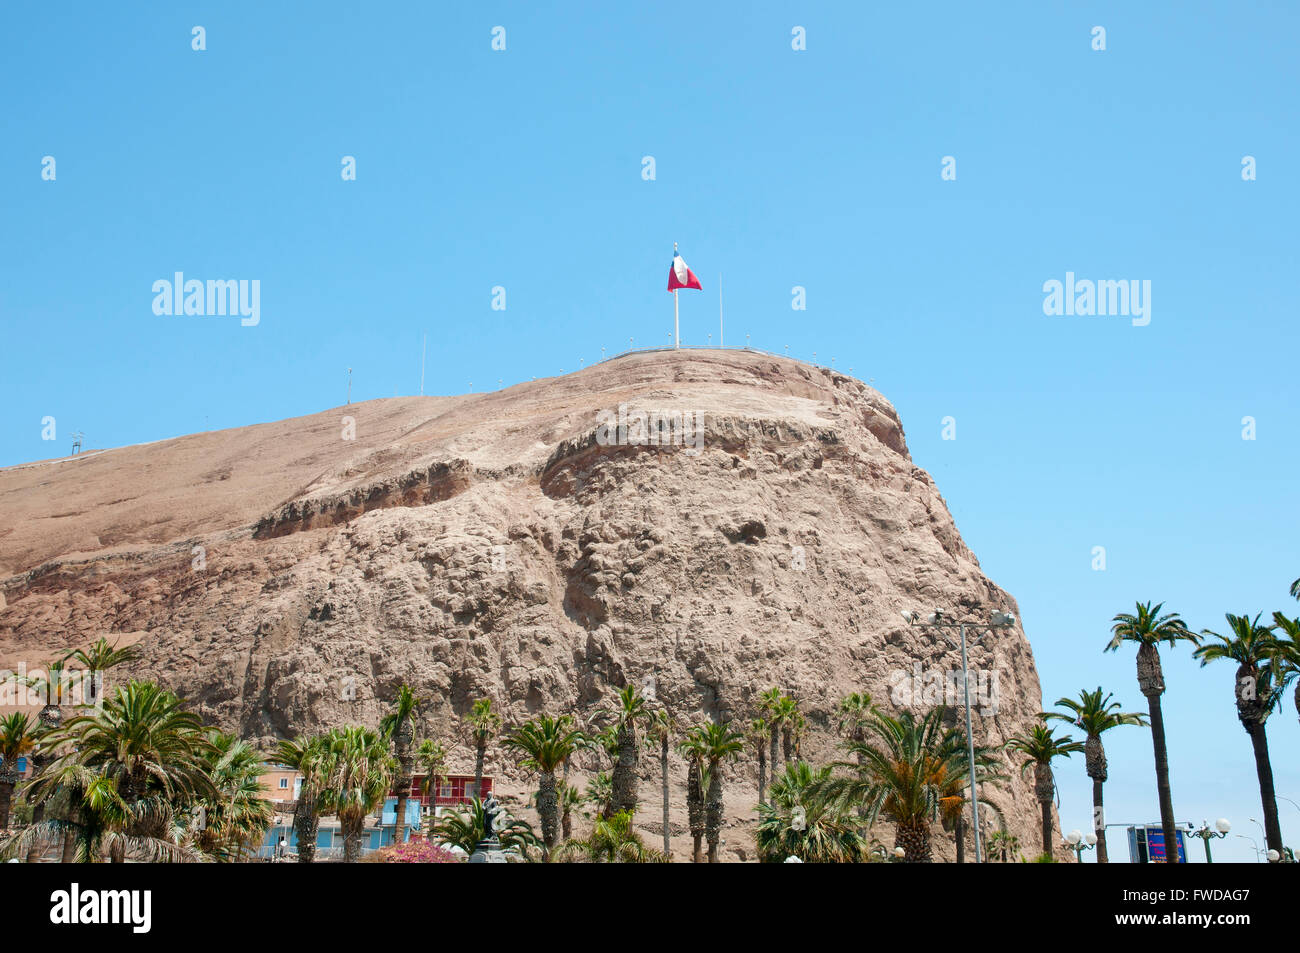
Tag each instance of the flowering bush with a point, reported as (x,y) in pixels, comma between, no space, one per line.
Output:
(414,852)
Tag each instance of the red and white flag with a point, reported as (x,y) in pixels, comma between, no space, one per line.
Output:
(680,276)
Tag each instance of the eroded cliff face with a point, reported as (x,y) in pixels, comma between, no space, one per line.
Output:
(515,545)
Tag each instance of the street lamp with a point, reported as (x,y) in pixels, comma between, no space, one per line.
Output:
(1253,843)
(1077,842)
(1206,835)
(997,620)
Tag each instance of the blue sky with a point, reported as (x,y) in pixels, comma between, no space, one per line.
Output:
(819,168)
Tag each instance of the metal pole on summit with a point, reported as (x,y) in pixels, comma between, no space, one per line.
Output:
(677,334)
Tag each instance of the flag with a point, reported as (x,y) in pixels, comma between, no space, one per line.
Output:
(679,276)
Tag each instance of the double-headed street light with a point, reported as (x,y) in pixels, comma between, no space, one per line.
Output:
(1078,842)
(936,619)
(1206,835)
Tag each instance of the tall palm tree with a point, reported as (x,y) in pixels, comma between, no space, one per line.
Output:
(902,769)
(631,710)
(98,659)
(237,819)
(660,729)
(432,757)
(1252,646)
(358,772)
(1286,654)
(483,724)
(154,753)
(756,734)
(543,744)
(855,710)
(17,739)
(718,743)
(799,823)
(399,726)
(307,757)
(791,725)
(1039,747)
(1095,715)
(770,702)
(691,747)
(1147,628)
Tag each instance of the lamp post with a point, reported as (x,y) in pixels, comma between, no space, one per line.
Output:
(1221,829)
(1077,842)
(998,620)
(1253,843)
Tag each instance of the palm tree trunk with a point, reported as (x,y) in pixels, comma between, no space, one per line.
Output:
(6,797)
(352,840)
(762,775)
(480,753)
(663,767)
(772,760)
(695,809)
(38,815)
(959,831)
(69,848)
(623,780)
(399,819)
(1162,779)
(713,810)
(1044,788)
(1264,769)
(548,808)
(306,823)
(914,838)
(1099,822)
(1047,826)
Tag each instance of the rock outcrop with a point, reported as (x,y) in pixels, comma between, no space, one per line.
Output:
(532,545)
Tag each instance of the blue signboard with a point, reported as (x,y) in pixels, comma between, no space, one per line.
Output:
(1146,845)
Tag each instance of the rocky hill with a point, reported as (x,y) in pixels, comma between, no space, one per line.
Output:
(704,524)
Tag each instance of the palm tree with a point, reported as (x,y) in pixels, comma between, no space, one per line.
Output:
(238,818)
(17,738)
(155,754)
(770,702)
(756,734)
(307,757)
(399,725)
(599,791)
(1295,589)
(902,769)
(432,757)
(801,824)
(1040,746)
(98,659)
(1252,646)
(631,710)
(1148,628)
(855,711)
(358,771)
(1286,655)
(483,724)
(660,729)
(791,723)
(568,797)
(95,827)
(1003,845)
(544,744)
(465,828)
(612,841)
(691,747)
(1094,716)
(718,742)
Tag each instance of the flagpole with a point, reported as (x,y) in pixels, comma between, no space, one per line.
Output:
(677,334)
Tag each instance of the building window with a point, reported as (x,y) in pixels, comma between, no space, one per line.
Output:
(284,784)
